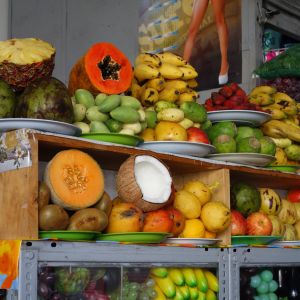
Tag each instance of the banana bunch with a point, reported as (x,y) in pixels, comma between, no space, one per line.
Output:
(164,76)
(279,105)
(184,283)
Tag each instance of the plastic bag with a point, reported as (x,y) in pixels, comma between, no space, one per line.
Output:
(286,64)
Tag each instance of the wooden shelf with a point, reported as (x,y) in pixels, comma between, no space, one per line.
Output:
(111,156)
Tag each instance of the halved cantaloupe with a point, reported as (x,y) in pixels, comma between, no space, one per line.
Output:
(75,179)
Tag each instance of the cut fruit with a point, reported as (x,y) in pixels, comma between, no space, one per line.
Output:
(144,181)
(103,68)
(75,179)
(23,61)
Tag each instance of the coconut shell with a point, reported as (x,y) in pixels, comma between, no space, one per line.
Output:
(129,191)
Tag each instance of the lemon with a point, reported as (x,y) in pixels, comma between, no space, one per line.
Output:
(188,204)
(193,228)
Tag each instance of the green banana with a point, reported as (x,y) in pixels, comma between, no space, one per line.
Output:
(202,283)
(189,277)
(185,291)
(194,293)
(210,295)
(212,280)
(176,276)
(166,285)
(159,272)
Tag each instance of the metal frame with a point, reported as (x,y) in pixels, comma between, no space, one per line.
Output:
(97,254)
(246,257)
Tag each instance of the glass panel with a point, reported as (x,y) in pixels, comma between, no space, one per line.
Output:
(79,283)
(2,294)
(140,283)
(261,283)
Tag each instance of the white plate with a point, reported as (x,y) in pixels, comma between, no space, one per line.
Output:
(191,241)
(184,148)
(286,243)
(240,117)
(252,159)
(39,124)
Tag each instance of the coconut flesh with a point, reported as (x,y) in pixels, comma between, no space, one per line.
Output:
(144,181)
(153,179)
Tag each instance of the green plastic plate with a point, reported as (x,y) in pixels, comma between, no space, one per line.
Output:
(68,235)
(287,168)
(253,240)
(134,237)
(117,138)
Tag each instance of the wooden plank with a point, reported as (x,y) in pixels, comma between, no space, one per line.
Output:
(222,193)
(111,156)
(18,200)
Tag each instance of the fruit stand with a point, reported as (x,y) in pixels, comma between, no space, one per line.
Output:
(122,182)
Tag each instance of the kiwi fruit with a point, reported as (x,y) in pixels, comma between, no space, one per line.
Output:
(53,217)
(44,195)
(105,204)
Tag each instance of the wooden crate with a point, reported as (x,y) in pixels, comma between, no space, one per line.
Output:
(18,200)
(222,193)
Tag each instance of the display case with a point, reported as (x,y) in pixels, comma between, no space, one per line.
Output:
(281,265)
(78,269)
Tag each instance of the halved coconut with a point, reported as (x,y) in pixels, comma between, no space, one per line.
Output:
(145,181)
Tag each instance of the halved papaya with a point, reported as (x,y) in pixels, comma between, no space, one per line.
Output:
(75,179)
(103,69)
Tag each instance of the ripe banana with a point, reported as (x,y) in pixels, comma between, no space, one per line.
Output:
(135,90)
(282,142)
(294,119)
(176,276)
(143,58)
(281,129)
(188,73)
(262,99)
(189,277)
(210,295)
(287,104)
(159,294)
(157,83)
(166,285)
(148,96)
(263,89)
(212,280)
(180,85)
(275,111)
(192,83)
(169,71)
(171,58)
(145,71)
(202,283)
(170,95)
(187,97)
(186,123)
(281,158)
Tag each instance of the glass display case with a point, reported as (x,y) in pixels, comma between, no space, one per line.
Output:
(93,271)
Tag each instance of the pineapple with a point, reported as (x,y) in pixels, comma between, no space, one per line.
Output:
(23,61)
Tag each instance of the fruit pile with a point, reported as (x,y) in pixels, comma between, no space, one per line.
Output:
(185,283)
(261,211)
(229,97)
(228,138)
(108,113)
(258,284)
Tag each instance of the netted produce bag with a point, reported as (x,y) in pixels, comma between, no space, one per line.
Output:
(286,64)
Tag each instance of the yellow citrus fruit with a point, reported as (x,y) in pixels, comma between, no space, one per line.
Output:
(193,228)
(209,235)
(199,189)
(188,204)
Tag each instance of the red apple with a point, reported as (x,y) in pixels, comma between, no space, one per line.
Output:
(238,223)
(197,135)
(178,221)
(294,195)
(258,223)
(158,221)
